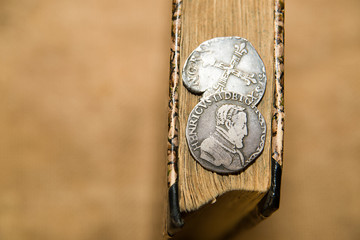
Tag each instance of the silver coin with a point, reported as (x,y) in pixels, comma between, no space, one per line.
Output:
(225,132)
(225,64)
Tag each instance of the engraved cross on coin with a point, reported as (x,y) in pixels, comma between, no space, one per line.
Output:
(231,69)
(225,64)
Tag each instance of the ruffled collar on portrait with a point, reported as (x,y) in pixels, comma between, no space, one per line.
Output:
(222,137)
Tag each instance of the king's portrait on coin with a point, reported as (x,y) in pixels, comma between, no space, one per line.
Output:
(225,132)
(224,144)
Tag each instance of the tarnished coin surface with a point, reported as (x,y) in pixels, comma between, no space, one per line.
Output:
(225,132)
(225,64)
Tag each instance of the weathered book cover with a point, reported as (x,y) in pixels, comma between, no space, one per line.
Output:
(188,31)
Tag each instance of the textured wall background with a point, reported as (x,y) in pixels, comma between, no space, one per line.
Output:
(83,118)
(83,91)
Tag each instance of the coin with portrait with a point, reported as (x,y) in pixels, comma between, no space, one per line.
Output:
(225,132)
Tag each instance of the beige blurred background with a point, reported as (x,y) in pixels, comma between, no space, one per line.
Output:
(83,97)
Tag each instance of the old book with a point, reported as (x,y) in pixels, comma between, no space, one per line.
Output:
(204,204)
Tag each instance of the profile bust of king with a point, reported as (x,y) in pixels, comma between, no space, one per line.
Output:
(224,144)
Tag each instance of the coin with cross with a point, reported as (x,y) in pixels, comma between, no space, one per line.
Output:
(225,64)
